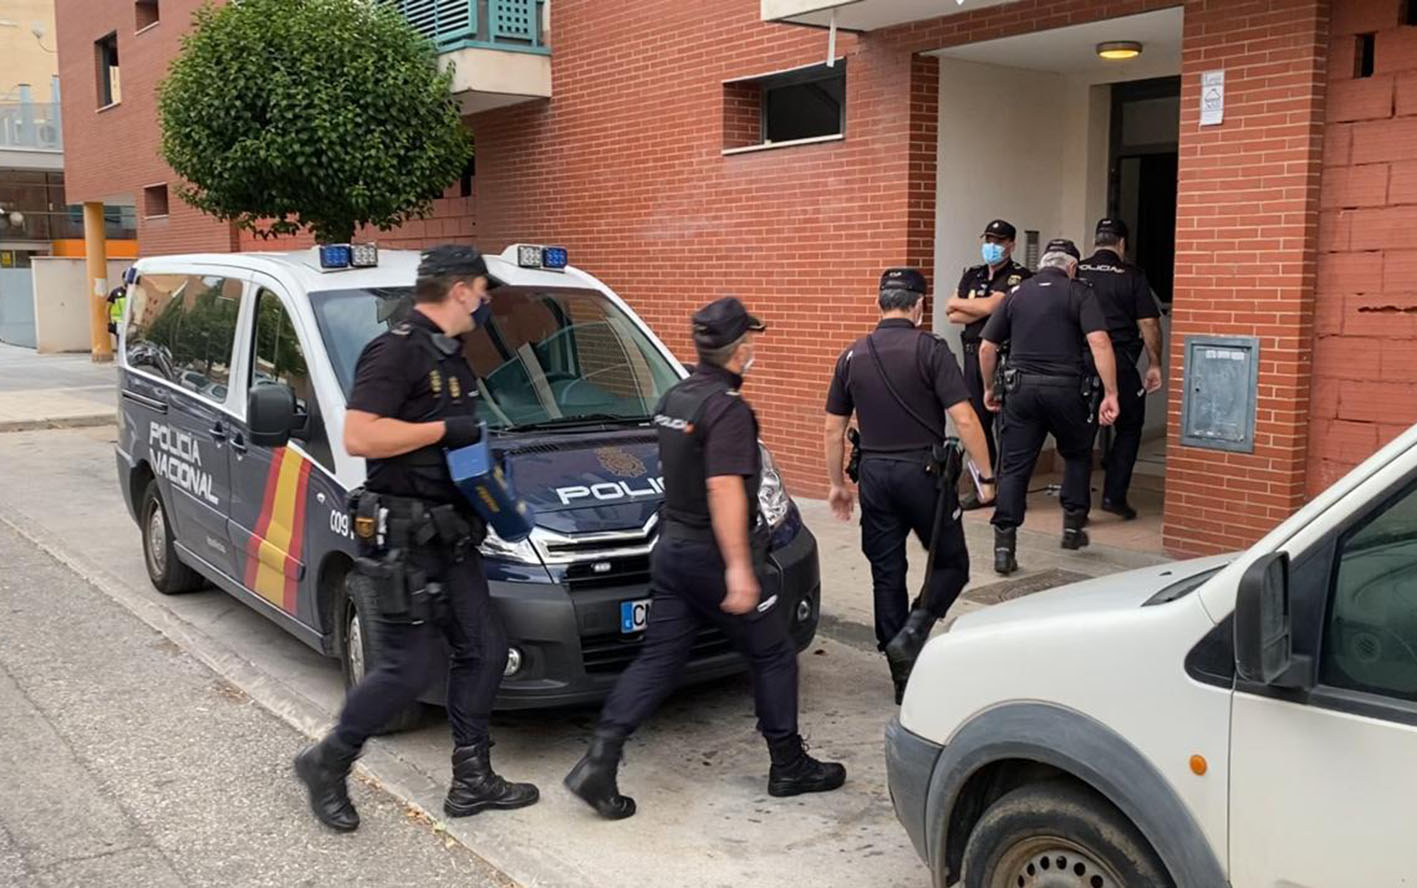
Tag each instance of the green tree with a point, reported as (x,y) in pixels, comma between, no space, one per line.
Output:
(318,115)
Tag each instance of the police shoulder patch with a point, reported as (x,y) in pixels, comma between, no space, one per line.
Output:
(1014,279)
(402,328)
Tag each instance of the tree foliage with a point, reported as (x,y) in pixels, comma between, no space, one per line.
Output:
(319,115)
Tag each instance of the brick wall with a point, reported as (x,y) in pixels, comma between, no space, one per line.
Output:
(1365,348)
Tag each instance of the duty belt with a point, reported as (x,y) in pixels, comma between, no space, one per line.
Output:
(1047,379)
(914,455)
(970,346)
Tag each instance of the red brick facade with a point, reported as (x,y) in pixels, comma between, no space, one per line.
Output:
(626,166)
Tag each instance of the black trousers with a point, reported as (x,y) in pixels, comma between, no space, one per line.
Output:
(1126,434)
(897,499)
(974,382)
(1042,406)
(410,652)
(686,588)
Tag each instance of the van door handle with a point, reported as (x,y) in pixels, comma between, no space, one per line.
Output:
(218,431)
(238,443)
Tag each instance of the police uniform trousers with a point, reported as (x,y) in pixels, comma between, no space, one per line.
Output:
(1040,406)
(686,588)
(476,645)
(974,382)
(1126,437)
(898,498)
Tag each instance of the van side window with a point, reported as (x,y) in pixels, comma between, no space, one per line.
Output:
(183,328)
(279,357)
(1370,640)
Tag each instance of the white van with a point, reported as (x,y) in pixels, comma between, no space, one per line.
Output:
(1247,720)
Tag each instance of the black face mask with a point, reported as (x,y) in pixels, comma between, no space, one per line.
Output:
(482,315)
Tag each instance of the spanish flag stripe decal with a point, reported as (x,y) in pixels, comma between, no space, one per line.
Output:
(297,540)
(253,545)
(273,565)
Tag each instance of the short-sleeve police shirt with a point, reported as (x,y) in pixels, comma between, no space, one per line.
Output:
(978,283)
(398,377)
(924,374)
(1122,292)
(1046,321)
(730,434)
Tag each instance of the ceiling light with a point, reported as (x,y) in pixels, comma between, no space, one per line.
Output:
(1118,50)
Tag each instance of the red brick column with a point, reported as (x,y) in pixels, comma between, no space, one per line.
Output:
(1246,250)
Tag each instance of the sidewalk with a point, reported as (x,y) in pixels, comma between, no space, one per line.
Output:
(54,391)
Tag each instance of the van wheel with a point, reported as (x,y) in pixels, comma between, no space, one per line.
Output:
(362,648)
(168,575)
(1059,835)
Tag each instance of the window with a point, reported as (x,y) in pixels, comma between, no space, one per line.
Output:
(805,103)
(1364,58)
(155,200)
(145,14)
(1370,641)
(548,356)
(465,182)
(106,70)
(279,357)
(182,328)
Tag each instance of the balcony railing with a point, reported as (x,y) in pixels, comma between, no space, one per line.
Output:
(487,24)
(31,126)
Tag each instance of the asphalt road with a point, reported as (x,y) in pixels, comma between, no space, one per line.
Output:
(126,762)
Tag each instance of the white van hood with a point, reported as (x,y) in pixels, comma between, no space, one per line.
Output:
(1117,591)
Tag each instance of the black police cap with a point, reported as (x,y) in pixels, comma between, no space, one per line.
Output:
(723,322)
(903,279)
(1000,228)
(1112,225)
(452,259)
(1062,245)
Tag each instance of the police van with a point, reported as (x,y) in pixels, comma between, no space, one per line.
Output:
(1246,720)
(568,379)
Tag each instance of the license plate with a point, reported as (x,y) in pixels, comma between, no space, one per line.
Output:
(634,616)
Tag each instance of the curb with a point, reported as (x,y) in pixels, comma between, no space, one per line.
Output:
(383,766)
(67,422)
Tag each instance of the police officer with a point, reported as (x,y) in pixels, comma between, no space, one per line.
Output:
(1051,322)
(116,299)
(1132,321)
(901,381)
(707,569)
(981,289)
(413,396)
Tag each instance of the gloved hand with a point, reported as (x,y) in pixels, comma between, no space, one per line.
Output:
(461,431)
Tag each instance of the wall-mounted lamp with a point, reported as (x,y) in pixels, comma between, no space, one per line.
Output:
(1118,50)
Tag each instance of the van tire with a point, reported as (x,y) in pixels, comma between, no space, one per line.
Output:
(361,646)
(167,573)
(1027,832)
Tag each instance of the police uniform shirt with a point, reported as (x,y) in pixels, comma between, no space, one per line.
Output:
(724,431)
(1045,321)
(924,373)
(978,283)
(399,376)
(1122,292)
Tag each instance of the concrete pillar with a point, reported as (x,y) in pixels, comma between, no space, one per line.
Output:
(96,256)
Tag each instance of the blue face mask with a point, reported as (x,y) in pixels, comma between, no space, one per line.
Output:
(482,315)
(992,253)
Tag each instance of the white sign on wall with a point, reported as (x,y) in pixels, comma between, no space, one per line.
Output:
(1212,98)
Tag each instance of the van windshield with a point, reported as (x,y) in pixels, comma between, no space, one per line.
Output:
(548,357)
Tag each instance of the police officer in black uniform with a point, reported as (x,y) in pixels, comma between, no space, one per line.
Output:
(1133,321)
(901,381)
(1051,322)
(413,396)
(708,569)
(981,289)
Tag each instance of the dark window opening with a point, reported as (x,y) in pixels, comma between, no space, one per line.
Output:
(468,171)
(155,200)
(805,109)
(106,70)
(145,14)
(1409,12)
(1365,55)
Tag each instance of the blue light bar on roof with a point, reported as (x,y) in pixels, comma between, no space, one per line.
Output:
(336,256)
(553,257)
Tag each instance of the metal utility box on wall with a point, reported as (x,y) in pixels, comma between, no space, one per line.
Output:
(1221,389)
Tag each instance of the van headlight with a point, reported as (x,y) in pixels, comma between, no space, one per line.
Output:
(773,502)
(521,552)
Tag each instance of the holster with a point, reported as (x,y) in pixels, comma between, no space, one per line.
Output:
(853,464)
(1011,381)
(1092,393)
(946,463)
(388,530)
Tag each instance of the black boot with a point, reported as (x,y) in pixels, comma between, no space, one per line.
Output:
(902,651)
(1074,534)
(1120,508)
(476,787)
(593,777)
(795,772)
(1005,543)
(324,768)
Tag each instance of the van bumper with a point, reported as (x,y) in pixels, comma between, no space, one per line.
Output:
(910,760)
(572,650)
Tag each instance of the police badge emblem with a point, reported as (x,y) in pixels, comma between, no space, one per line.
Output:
(619,462)
(454,387)
(435,381)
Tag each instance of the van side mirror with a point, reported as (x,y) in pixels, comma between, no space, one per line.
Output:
(1264,640)
(271,414)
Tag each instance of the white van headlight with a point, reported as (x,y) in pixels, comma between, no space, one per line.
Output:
(773,502)
(521,552)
